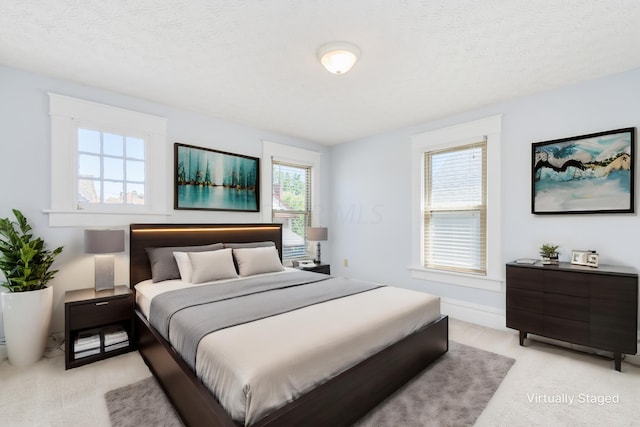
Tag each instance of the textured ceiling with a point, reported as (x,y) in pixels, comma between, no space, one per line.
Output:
(254,62)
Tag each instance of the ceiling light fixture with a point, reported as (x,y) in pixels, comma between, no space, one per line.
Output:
(338,57)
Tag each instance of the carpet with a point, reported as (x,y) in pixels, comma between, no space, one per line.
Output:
(452,392)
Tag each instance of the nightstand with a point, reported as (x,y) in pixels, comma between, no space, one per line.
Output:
(99,323)
(318,268)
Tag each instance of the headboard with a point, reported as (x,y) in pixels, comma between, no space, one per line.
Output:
(143,236)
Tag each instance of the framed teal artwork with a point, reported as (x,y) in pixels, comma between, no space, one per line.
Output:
(207,179)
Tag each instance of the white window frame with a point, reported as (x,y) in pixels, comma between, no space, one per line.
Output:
(67,115)
(449,137)
(293,155)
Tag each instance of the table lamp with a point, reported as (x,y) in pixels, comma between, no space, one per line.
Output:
(317,234)
(104,243)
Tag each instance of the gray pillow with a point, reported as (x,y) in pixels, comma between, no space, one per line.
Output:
(163,263)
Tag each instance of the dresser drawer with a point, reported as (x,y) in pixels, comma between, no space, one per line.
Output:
(566,307)
(623,289)
(567,330)
(611,314)
(622,339)
(524,278)
(96,313)
(524,320)
(565,283)
(522,299)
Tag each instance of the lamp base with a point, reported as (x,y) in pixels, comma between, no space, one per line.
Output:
(317,260)
(104,272)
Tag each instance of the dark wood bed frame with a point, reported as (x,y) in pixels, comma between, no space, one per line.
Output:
(339,401)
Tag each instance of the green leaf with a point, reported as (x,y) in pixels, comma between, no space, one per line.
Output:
(24,260)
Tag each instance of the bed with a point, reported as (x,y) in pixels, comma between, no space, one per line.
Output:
(341,399)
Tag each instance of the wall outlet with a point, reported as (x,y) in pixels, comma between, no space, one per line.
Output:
(345,262)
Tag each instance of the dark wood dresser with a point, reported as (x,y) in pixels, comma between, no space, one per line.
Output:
(594,307)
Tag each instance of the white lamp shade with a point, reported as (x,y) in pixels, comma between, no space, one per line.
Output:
(317,234)
(338,57)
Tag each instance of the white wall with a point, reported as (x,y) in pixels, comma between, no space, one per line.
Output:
(371,190)
(24,167)
(366,189)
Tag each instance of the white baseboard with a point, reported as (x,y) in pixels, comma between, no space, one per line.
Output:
(474,313)
(634,359)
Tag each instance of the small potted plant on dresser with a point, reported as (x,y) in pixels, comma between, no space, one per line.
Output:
(549,253)
(27,305)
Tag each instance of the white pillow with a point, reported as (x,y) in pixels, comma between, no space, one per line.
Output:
(257,260)
(184,265)
(213,265)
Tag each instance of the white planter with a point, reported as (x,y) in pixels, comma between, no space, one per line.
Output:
(27,318)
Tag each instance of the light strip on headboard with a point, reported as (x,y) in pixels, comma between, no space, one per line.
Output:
(190,230)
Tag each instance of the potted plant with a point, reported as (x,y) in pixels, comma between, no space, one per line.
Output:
(27,305)
(549,253)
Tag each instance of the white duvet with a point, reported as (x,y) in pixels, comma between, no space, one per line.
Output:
(260,366)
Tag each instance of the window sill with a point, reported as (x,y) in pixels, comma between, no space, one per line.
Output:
(58,218)
(488,283)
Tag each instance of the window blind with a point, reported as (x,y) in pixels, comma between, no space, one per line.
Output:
(455,192)
(292,205)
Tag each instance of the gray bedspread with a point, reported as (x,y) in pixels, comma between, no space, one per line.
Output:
(193,313)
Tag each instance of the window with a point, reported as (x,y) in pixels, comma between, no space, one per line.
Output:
(456,205)
(107,163)
(455,209)
(110,168)
(293,197)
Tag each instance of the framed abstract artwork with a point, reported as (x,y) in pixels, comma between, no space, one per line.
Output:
(208,179)
(587,174)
